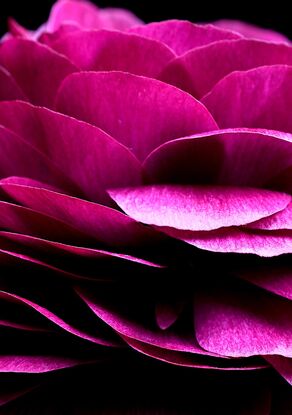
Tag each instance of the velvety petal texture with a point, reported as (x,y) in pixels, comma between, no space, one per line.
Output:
(145,216)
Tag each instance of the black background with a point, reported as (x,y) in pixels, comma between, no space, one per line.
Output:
(270,14)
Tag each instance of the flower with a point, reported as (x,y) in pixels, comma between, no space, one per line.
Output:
(146,179)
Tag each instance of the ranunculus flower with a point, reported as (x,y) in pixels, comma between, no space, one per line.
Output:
(146,179)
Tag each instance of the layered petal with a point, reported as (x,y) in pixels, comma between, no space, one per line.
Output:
(37,69)
(182,36)
(259,98)
(198,70)
(149,114)
(114,51)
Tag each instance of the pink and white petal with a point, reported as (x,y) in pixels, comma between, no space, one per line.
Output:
(182,36)
(243,322)
(104,224)
(251,31)
(280,220)
(236,240)
(9,90)
(81,152)
(259,98)
(234,157)
(198,208)
(198,70)
(150,113)
(37,69)
(106,50)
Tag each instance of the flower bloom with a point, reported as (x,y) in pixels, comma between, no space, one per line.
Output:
(146,180)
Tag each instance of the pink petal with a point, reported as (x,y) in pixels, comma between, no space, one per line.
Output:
(119,19)
(236,240)
(83,13)
(111,50)
(280,220)
(276,279)
(198,208)
(182,36)
(50,38)
(190,359)
(37,69)
(235,157)
(149,114)
(36,364)
(242,322)
(27,221)
(198,70)
(259,98)
(104,224)
(57,320)
(167,312)
(126,325)
(9,90)
(80,152)
(251,31)
(41,245)
(282,365)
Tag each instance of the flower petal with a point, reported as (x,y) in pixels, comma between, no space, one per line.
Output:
(104,224)
(37,69)
(259,98)
(83,153)
(182,36)
(251,31)
(149,114)
(198,208)
(234,157)
(9,90)
(280,220)
(114,51)
(236,240)
(198,70)
(242,322)
(282,365)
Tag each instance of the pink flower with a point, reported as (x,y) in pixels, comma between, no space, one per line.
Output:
(146,180)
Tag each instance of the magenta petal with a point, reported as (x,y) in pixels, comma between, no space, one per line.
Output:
(83,13)
(56,320)
(259,98)
(282,365)
(280,220)
(99,222)
(114,51)
(277,279)
(182,36)
(37,69)
(236,240)
(149,114)
(9,90)
(198,208)
(57,248)
(235,157)
(36,364)
(188,359)
(251,31)
(243,322)
(198,70)
(78,151)
(119,19)
(127,326)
